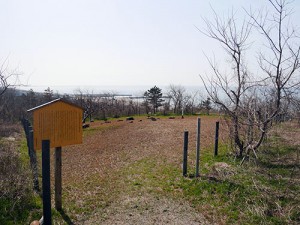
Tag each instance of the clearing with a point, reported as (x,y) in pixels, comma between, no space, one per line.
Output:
(119,175)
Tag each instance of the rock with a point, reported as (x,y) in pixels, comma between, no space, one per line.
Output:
(221,169)
(35,222)
(10,139)
(85,125)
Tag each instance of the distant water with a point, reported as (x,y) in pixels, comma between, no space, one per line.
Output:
(122,90)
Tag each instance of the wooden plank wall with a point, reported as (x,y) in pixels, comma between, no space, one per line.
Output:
(61,123)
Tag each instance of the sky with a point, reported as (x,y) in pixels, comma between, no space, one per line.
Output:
(111,42)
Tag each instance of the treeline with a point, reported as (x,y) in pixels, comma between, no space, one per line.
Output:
(174,100)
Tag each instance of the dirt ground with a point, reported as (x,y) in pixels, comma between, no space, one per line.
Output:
(94,185)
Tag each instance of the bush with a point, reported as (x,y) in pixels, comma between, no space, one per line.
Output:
(7,130)
(16,196)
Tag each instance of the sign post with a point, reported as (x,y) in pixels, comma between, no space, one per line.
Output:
(55,124)
(58,183)
(46,182)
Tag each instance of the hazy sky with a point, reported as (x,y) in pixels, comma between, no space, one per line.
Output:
(110,42)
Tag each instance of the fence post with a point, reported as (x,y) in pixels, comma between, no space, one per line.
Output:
(33,162)
(198,147)
(26,125)
(46,182)
(217,138)
(185,152)
(58,183)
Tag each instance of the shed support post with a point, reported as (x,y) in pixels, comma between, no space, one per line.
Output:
(58,180)
(46,182)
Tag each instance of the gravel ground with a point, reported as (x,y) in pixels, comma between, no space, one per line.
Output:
(149,210)
(110,147)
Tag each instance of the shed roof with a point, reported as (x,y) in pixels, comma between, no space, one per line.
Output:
(52,102)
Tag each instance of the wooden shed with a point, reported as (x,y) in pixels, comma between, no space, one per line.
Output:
(58,121)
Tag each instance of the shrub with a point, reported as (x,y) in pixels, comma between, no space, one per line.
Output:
(16,194)
(7,130)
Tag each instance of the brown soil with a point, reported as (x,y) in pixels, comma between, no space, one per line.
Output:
(92,171)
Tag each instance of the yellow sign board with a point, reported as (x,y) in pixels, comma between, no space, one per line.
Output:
(58,121)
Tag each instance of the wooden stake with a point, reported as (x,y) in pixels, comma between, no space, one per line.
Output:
(198,147)
(58,180)
(33,163)
(217,138)
(185,152)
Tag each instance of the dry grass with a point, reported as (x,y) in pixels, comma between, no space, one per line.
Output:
(15,184)
(9,130)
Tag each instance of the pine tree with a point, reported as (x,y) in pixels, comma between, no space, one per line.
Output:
(154,97)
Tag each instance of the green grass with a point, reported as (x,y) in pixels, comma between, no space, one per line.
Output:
(247,194)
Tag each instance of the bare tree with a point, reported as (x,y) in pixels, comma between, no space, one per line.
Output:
(8,80)
(296,108)
(253,102)
(5,76)
(176,93)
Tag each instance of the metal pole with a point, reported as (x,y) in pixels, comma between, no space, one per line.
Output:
(185,153)
(46,182)
(198,147)
(217,138)
(58,182)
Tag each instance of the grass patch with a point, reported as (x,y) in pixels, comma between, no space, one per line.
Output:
(233,194)
(18,203)
(263,192)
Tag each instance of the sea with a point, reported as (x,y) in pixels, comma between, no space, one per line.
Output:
(134,90)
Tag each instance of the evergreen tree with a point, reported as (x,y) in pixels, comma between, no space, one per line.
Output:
(48,94)
(154,97)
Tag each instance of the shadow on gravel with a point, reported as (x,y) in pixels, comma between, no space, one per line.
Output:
(66,217)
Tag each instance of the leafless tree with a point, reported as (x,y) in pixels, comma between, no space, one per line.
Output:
(5,76)
(296,108)
(176,93)
(8,81)
(253,102)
